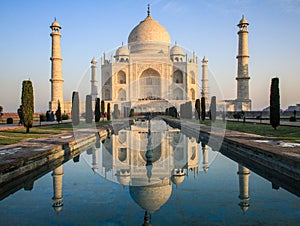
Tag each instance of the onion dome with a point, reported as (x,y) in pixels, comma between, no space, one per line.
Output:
(149,30)
(94,61)
(176,50)
(122,51)
(243,22)
(204,60)
(177,177)
(55,24)
(153,196)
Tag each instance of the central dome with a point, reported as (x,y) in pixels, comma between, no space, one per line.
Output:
(149,30)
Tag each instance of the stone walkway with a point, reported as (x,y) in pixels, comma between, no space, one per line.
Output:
(4,127)
(267,122)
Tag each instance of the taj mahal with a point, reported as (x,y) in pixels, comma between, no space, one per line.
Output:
(149,74)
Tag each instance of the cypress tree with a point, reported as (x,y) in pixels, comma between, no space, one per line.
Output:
(108,111)
(97,110)
(75,108)
(58,113)
(88,109)
(27,104)
(213,109)
(131,113)
(197,107)
(275,103)
(203,110)
(102,108)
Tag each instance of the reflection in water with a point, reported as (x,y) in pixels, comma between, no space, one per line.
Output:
(57,188)
(244,174)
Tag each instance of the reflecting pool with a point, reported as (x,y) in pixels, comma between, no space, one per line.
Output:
(147,174)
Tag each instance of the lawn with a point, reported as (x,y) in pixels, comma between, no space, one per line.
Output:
(17,135)
(287,133)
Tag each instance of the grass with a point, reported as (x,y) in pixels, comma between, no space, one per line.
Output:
(286,133)
(17,135)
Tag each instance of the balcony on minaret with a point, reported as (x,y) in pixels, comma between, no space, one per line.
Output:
(55,27)
(243,24)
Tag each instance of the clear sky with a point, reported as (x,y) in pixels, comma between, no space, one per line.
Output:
(208,27)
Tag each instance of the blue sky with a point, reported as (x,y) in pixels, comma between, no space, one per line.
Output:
(208,27)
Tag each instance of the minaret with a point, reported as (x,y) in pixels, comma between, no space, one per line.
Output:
(94,80)
(57,188)
(244,174)
(204,91)
(56,69)
(243,102)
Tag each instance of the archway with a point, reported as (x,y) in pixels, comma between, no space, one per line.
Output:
(149,84)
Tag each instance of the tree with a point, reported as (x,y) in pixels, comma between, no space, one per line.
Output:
(97,110)
(102,108)
(203,110)
(75,108)
(108,111)
(58,113)
(27,104)
(88,109)
(197,107)
(213,108)
(275,103)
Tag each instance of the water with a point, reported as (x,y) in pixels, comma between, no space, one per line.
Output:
(184,183)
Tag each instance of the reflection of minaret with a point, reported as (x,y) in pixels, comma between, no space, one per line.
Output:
(244,174)
(95,160)
(94,80)
(205,157)
(146,219)
(57,188)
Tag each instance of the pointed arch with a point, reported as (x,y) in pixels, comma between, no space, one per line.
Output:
(121,95)
(121,77)
(178,76)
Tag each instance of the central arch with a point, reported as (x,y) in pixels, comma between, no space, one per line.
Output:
(149,84)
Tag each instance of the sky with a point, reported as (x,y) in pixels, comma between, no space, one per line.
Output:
(207,27)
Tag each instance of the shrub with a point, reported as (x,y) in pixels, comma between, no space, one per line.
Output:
(213,109)
(9,121)
(88,109)
(75,108)
(275,103)
(108,112)
(27,104)
(43,118)
(292,119)
(64,117)
(203,110)
(97,110)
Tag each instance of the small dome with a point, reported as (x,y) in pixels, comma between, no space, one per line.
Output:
(94,61)
(243,21)
(149,30)
(55,24)
(177,179)
(204,60)
(123,180)
(176,50)
(122,51)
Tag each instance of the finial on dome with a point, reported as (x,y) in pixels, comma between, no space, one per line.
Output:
(122,43)
(148,11)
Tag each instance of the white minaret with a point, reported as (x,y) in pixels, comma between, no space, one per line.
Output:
(244,174)
(243,102)
(57,188)
(204,91)
(94,80)
(56,69)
